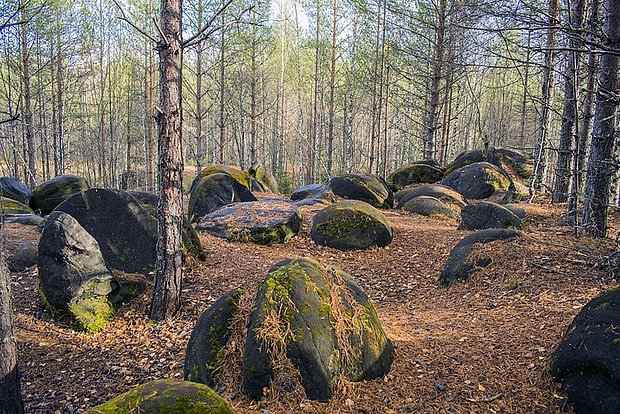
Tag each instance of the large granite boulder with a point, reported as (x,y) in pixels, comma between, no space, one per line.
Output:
(415,173)
(478,180)
(241,176)
(321,320)
(126,233)
(586,360)
(458,266)
(73,278)
(264,179)
(368,188)
(14,189)
(12,208)
(46,196)
(319,193)
(215,191)
(351,225)
(486,215)
(262,222)
(203,357)
(513,162)
(25,219)
(445,194)
(166,396)
(429,206)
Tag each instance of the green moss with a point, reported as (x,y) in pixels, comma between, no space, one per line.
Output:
(9,206)
(616,341)
(91,314)
(603,305)
(241,176)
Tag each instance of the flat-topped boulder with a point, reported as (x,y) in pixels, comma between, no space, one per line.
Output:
(429,206)
(265,181)
(242,177)
(443,193)
(459,266)
(478,180)
(262,222)
(513,162)
(215,191)
(586,360)
(351,225)
(319,193)
(368,188)
(486,215)
(12,208)
(48,195)
(14,189)
(415,173)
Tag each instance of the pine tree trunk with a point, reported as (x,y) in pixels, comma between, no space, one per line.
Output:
(332,88)
(28,118)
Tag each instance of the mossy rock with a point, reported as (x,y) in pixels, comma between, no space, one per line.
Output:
(266,221)
(25,219)
(203,357)
(312,194)
(458,267)
(586,360)
(446,195)
(429,206)
(264,179)
(515,163)
(14,189)
(478,180)
(486,215)
(48,195)
(166,396)
(327,326)
(351,225)
(242,177)
(368,188)
(11,208)
(415,173)
(215,191)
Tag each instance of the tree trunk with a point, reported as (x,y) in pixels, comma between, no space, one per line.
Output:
(332,89)
(28,118)
(167,290)
(601,165)
(220,150)
(199,145)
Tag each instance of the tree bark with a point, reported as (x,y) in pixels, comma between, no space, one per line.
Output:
(332,89)
(28,118)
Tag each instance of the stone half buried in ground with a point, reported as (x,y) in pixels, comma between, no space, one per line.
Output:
(213,192)
(368,188)
(313,193)
(445,194)
(166,396)
(351,225)
(430,206)
(415,173)
(486,215)
(46,196)
(478,180)
(241,176)
(266,221)
(586,360)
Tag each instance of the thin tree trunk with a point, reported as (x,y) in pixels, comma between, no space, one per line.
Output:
(332,89)
(28,118)
(199,145)
(220,151)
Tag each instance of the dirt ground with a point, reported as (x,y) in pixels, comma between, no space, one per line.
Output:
(483,346)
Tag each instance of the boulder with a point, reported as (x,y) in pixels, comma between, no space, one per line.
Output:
(25,219)
(514,162)
(443,193)
(203,356)
(12,208)
(215,191)
(368,188)
(166,396)
(486,215)
(73,279)
(351,225)
(429,206)
(241,176)
(126,233)
(516,210)
(324,324)
(265,180)
(586,360)
(48,195)
(477,180)
(262,222)
(458,267)
(12,188)
(23,258)
(466,158)
(320,193)
(147,200)
(416,173)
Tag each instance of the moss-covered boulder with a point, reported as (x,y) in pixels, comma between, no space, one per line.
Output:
(215,191)
(415,173)
(242,177)
(265,180)
(459,266)
(319,319)
(11,208)
(486,215)
(351,225)
(368,188)
(515,163)
(266,221)
(313,193)
(429,206)
(203,357)
(586,360)
(446,195)
(12,188)
(166,396)
(126,233)
(73,278)
(477,181)
(46,196)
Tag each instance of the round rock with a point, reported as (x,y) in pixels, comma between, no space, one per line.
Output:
(215,191)
(317,192)
(46,196)
(445,194)
(486,215)
(12,188)
(415,173)
(368,188)
(478,180)
(429,206)
(13,208)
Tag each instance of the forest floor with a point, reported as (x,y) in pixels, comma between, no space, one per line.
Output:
(483,346)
